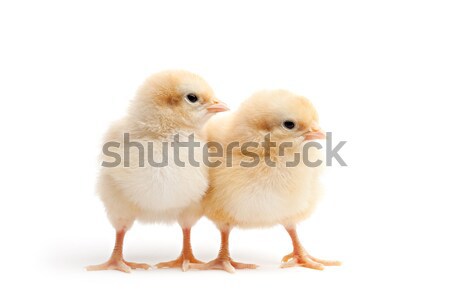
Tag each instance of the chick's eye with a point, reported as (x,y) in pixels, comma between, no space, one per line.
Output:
(192,97)
(288,124)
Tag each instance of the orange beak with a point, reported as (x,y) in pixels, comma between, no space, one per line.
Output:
(217,107)
(314,135)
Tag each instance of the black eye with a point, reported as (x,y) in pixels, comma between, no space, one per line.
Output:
(192,98)
(288,124)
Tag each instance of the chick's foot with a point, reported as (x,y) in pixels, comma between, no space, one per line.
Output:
(182,262)
(223,263)
(306,261)
(223,260)
(186,257)
(116,261)
(118,264)
(300,257)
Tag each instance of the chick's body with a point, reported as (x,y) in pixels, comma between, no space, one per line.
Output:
(151,181)
(278,189)
(153,193)
(262,196)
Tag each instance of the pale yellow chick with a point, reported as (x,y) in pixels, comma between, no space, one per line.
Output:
(248,195)
(168,106)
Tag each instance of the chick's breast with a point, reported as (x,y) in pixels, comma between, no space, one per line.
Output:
(261,196)
(163,190)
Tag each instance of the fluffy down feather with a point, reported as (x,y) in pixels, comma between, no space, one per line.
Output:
(264,195)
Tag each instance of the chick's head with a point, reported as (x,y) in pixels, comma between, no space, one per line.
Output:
(175,99)
(285,116)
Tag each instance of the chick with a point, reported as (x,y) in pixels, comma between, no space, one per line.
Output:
(168,108)
(256,186)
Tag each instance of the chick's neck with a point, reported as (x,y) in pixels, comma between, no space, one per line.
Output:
(160,127)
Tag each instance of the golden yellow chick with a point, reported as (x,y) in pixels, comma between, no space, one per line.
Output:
(141,178)
(260,186)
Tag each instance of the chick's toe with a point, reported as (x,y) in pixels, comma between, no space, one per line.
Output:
(119,265)
(183,262)
(223,263)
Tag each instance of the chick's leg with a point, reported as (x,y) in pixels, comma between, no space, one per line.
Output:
(116,261)
(223,260)
(186,257)
(299,257)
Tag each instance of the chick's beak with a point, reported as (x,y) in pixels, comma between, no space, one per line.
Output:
(217,107)
(316,134)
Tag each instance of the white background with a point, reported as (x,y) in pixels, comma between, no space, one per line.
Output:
(378,73)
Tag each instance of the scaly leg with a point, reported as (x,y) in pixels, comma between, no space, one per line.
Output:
(223,260)
(300,258)
(116,261)
(186,257)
